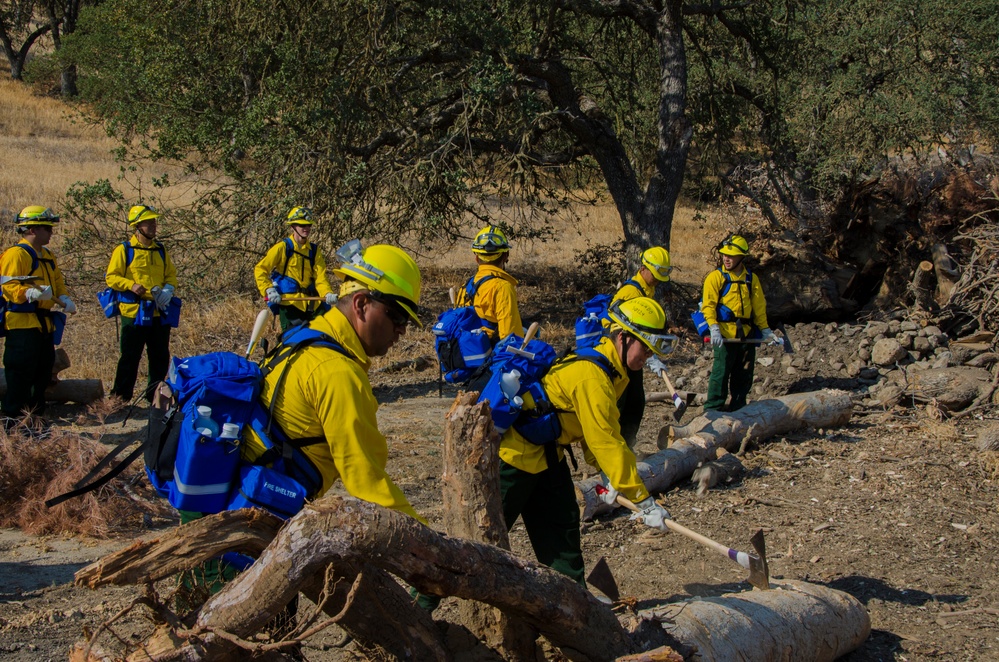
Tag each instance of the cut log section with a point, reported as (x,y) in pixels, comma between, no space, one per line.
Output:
(81,391)
(696,442)
(795,621)
(922,284)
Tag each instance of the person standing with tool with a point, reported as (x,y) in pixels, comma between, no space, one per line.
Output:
(145,279)
(735,310)
(32,285)
(492,290)
(535,481)
(294,270)
(655,269)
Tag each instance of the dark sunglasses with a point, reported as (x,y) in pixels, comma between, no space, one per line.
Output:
(396,315)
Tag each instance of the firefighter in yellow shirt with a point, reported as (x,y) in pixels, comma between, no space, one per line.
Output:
(143,274)
(294,268)
(493,290)
(735,309)
(535,482)
(655,269)
(32,286)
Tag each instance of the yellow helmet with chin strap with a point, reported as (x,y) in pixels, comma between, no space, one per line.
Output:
(140,213)
(35,215)
(299,216)
(490,243)
(645,319)
(387,272)
(735,245)
(656,260)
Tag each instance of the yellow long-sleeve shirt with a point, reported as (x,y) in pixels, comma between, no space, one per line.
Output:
(586,399)
(496,301)
(745,300)
(148,268)
(298,268)
(631,291)
(17,278)
(327,394)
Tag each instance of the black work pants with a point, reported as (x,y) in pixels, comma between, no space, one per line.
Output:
(155,340)
(28,358)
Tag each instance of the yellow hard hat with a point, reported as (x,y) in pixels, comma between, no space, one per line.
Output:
(299,216)
(388,272)
(140,213)
(35,215)
(656,260)
(645,319)
(490,243)
(735,245)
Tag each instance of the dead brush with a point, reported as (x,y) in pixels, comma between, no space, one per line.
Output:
(36,465)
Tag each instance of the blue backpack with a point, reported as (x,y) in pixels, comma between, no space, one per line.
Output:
(207,474)
(590,327)
(516,395)
(463,347)
(724,314)
(110,298)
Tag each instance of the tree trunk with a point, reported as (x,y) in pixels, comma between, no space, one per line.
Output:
(796,621)
(696,442)
(475,512)
(950,388)
(948,273)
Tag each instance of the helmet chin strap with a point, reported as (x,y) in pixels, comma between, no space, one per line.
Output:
(139,230)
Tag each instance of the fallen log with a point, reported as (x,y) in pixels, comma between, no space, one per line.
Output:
(795,621)
(696,442)
(952,389)
(81,391)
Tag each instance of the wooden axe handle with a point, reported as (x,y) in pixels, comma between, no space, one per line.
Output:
(531,331)
(450,294)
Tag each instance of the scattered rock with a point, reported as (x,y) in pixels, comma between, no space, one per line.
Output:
(887,352)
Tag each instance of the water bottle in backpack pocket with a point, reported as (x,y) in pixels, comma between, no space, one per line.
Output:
(205,465)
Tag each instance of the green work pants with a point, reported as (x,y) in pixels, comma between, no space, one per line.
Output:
(155,339)
(732,372)
(632,406)
(28,357)
(547,503)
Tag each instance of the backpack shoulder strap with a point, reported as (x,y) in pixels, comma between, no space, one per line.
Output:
(634,283)
(472,287)
(313,249)
(591,355)
(289,248)
(34,256)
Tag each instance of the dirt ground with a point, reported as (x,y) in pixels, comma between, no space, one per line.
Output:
(896,508)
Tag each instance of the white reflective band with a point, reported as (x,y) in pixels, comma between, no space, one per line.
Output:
(590,335)
(475,357)
(199,490)
(7,279)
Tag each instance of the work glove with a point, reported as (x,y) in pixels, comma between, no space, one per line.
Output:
(716,336)
(655,364)
(769,337)
(331,299)
(273,296)
(606,491)
(652,514)
(39,294)
(67,304)
(163,296)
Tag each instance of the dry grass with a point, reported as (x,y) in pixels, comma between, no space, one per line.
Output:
(36,466)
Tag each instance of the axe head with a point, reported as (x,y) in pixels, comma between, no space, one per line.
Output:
(759,570)
(785,340)
(600,578)
(680,406)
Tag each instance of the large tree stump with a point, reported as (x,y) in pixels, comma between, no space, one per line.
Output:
(696,442)
(795,621)
(474,512)
(952,389)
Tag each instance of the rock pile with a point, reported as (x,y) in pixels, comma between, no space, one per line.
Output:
(862,358)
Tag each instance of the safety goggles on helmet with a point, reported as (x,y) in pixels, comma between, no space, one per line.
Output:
(735,246)
(36,215)
(660,343)
(300,216)
(354,266)
(490,240)
(140,213)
